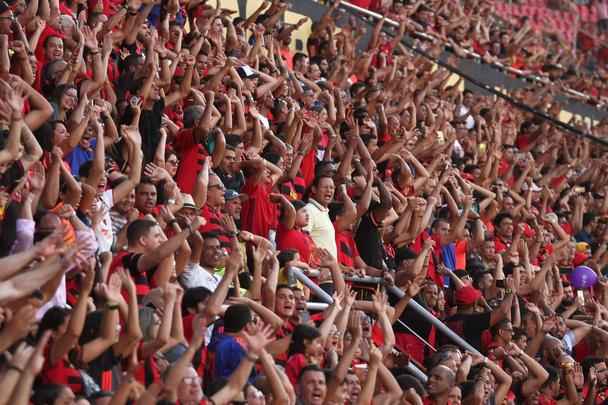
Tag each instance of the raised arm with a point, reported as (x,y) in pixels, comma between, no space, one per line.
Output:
(62,346)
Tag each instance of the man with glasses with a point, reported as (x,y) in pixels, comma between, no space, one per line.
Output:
(6,19)
(502,335)
(212,211)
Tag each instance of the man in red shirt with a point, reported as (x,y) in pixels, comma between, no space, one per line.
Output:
(290,233)
(214,200)
(259,214)
(503,231)
(196,141)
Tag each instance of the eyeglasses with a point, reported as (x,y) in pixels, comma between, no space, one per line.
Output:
(191,380)
(173,162)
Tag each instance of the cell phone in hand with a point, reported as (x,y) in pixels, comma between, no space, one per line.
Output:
(134,101)
(580,296)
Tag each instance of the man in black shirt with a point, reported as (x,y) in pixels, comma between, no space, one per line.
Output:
(470,324)
(369,235)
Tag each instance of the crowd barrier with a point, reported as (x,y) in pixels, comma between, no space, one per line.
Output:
(326,298)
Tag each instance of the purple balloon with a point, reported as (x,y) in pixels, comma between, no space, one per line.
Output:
(583,277)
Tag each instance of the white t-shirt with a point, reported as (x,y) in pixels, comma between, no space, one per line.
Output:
(469,121)
(196,276)
(103,230)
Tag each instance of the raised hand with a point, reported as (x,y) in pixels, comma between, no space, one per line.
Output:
(131,134)
(354,324)
(428,244)
(198,222)
(11,98)
(22,322)
(326,259)
(276,198)
(338,298)
(412,288)
(379,301)
(125,279)
(513,350)
(21,356)
(38,359)
(229,223)
(199,328)
(375,355)
(89,276)
(166,214)
(257,342)
(350,297)
(114,287)
(89,37)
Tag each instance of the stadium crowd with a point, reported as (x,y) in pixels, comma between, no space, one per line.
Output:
(167,170)
(565,43)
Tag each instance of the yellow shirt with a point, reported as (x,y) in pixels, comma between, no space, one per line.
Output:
(320,228)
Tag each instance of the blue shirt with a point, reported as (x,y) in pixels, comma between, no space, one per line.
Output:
(448,254)
(228,356)
(78,156)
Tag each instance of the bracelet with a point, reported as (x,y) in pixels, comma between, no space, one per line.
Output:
(14,367)
(112,307)
(171,222)
(508,291)
(251,357)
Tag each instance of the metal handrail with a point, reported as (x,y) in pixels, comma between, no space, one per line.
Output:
(422,312)
(469,53)
(299,274)
(321,306)
(364,280)
(443,328)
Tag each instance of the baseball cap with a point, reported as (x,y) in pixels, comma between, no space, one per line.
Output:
(230,194)
(467,295)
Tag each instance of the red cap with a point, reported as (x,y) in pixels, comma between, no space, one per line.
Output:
(580,258)
(467,295)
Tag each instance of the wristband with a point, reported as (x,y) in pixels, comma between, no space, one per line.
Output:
(251,357)
(14,367)
(171,222)
(112,307)
(508,291)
